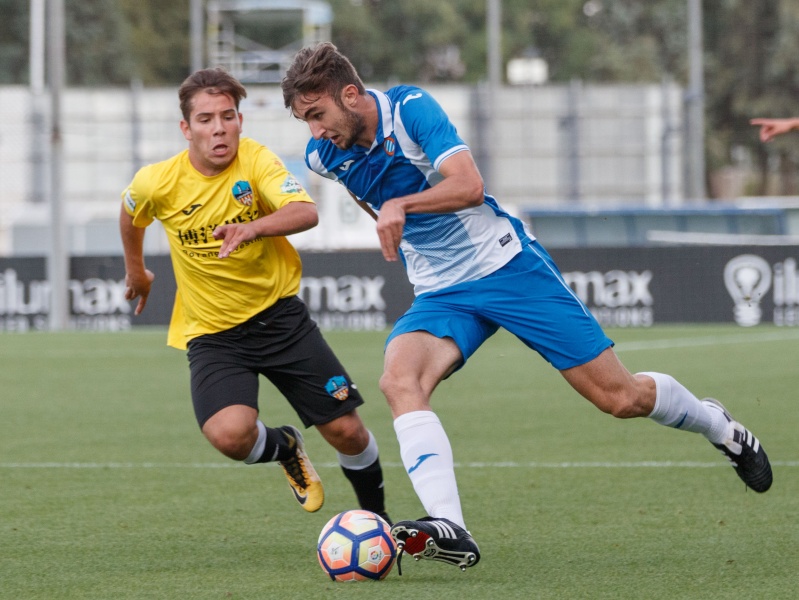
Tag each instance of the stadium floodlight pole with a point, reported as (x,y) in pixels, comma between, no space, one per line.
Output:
(494,22)
(196,9)
(37,37)
(58,260)
(38,177)
(695,100)
(494,51)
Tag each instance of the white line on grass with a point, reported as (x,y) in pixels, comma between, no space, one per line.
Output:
(472,465)
(771,336)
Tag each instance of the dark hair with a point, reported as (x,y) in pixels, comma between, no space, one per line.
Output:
(212,81)
(320,69)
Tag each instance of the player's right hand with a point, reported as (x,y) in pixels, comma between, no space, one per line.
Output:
(771,128)
(232,236)
(390,225)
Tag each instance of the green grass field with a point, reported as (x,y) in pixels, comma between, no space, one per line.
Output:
(109,491)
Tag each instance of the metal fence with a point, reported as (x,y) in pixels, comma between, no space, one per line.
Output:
(540,147)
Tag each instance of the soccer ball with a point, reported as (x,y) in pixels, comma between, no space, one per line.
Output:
(356,545)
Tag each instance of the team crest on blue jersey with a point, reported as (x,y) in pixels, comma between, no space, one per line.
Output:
(389,145)
(243,192)
(338,388)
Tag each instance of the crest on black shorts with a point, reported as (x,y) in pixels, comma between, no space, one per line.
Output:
(338,387)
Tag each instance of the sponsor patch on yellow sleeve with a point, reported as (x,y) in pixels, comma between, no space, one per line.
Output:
(291,185)
(129,201)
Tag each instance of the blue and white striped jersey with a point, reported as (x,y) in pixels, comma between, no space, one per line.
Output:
(414,137)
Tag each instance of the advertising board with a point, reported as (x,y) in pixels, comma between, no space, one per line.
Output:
(358,290)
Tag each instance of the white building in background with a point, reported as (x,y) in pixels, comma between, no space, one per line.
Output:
(551,147)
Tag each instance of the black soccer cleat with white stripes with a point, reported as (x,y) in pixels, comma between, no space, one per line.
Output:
(745,453)
(436,539)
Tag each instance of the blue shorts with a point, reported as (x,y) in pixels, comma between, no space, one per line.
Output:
(528,297)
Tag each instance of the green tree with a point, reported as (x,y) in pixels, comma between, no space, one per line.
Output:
(635,41)
(157,40)
(413,40)
(751,71)
(554,29)
(14,36)
(597,40)
(750,50)
(97,45)
(107,41)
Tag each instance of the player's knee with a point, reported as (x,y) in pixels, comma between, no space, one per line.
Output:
(347,434)
(233,443)
(631,407)
(350,430)
(394,385)
(621,404)
(404,393)
(386,383)
(622,410)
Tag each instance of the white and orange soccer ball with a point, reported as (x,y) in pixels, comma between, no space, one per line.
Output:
(356,545)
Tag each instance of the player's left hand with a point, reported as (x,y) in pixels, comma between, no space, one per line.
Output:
(390,223)
(233,235)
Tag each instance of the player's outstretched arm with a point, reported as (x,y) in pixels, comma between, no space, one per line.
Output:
(462,187)
(138,279)
(291,218)
(771,128)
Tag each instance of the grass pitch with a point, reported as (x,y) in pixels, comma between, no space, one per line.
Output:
(108,490)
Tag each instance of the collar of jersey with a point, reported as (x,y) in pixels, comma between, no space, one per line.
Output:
(385,111)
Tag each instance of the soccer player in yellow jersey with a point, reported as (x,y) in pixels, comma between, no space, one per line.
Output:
(226,204)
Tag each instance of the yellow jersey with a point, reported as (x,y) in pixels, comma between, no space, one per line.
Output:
(212,294)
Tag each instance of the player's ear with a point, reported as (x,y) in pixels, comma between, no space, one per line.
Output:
(349,95)
(186,129)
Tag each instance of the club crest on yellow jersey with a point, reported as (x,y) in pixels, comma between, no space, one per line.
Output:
(242,191)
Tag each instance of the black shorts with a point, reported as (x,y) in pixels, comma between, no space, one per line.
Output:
(283,344)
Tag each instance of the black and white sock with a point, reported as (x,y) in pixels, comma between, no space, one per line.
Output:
(366,476)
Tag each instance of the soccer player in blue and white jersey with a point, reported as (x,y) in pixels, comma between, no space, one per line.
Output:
(474,269)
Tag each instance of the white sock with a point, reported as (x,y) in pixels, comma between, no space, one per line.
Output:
(678,408)
(258,449)
(427,456)
(358,462)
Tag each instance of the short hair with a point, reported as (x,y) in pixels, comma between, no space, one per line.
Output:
(212,81)
(319,69)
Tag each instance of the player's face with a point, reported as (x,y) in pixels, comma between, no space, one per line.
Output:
(329,120)
(213,132)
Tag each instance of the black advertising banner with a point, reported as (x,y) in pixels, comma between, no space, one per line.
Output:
(637,287)
(343,290)
(96,294)
(354,290)
(24,294)
(358,290)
